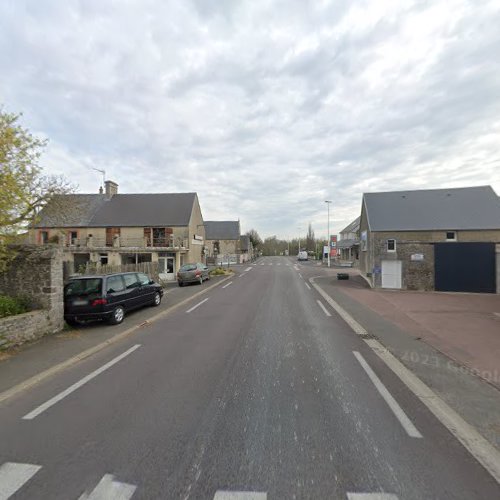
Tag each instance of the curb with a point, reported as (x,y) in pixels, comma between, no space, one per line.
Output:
(36,379)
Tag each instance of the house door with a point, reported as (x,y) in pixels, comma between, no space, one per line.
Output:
(167,268)
(391,274)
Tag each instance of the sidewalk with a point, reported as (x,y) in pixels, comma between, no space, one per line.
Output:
(450,341)
(21,363)
(465,327)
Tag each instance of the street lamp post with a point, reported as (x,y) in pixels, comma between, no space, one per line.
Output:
(328,235)
(299,228)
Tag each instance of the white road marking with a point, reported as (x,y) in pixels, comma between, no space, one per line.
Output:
(308,287)
(278,264)
(241,275)
(240,495)
(109,489)
(270,264)
(407,424)
(300,275)
(13,476)
(77,385)
(340,310)
(262,264)
(325,310)
(479,447)
(227,284)
(371,496)
(248,269)
(197,305)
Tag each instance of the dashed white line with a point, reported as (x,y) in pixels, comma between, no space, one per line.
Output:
(325,310)
(51,402)
(300,275)
(197,305)
(247,269)
(241,275)
(407,424)
(240,495)
(371,496)
(227,284)
(109,489)
(13,476)
(308,287)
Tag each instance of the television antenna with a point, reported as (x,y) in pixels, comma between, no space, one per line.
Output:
(103,172)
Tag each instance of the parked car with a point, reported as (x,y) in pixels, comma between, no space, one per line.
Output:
(302,256)
(193,273)
(108,297)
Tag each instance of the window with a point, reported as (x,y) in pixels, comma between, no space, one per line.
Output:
(115,284)
(44,237)
(131,280)
(391,245)
(73,237)
(143,279)
(103,258)
(364,241)
(85,286)
(451,236)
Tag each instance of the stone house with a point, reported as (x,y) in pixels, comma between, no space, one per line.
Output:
(440,239)
(246,248)
(348,244)
(223,241)
(116,229)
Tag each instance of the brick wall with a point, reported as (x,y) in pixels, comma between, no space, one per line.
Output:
(37,274)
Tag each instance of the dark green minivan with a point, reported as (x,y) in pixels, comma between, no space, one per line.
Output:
(108,297)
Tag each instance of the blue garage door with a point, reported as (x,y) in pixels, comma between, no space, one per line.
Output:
(465,267)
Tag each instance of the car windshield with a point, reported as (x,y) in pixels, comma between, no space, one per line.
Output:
(85,286)
(188,267)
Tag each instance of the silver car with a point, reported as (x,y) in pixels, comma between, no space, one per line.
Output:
(193,273)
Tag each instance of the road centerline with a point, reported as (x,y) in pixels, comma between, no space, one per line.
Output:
(51,402)
(227,284)
(407,424)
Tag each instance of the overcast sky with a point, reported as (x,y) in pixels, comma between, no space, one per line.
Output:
(264,108)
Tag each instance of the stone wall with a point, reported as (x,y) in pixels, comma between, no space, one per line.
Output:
(36,274)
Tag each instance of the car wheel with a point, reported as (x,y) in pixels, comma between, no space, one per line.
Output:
(117,316)
(181,283)
(201,280)
(157,299)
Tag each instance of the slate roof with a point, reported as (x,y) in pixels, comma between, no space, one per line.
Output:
(122,210)
(353,227)
(70,210)
(348,243)
(471,208)
(222,230)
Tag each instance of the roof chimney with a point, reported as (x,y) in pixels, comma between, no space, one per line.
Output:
(101,190)
(111,189)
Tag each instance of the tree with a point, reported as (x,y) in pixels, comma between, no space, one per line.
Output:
(310,239)
(24,189)
(255,238)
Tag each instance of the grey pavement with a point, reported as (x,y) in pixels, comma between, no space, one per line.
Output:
(258,389)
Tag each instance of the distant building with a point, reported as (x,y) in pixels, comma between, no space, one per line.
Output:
(223,241)
(348,244)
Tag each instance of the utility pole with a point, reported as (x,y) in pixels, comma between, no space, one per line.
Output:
(328,235)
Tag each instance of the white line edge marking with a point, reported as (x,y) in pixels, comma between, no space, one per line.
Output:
(227,284)
(371,496)
(308,287)
(325,310)
(407,424)
(241,275)
(478,446)
(13,476)
(248,269)
(51,402)
(340,311)
(108,488)
(240,495)
(197,305)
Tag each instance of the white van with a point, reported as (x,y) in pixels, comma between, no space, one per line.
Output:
(302,256)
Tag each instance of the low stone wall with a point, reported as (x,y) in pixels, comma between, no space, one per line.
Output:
(36,274)
(16,330)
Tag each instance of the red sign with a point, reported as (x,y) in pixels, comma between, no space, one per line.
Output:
(333,245)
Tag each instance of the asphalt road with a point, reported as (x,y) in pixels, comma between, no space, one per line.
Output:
(259,388)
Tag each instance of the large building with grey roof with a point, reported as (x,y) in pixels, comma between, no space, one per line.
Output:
(223,241)
(433,239)
(116,229)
